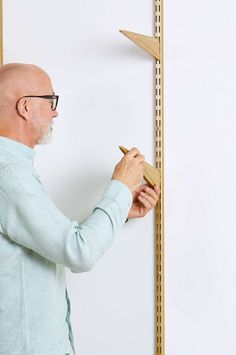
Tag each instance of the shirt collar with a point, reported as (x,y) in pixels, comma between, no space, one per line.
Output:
(16,148)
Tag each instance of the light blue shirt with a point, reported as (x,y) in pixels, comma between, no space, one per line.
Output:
(37,242)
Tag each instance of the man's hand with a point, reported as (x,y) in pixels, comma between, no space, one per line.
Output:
(130,169)
(144,199)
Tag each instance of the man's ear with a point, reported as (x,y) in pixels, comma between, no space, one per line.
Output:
(22,107)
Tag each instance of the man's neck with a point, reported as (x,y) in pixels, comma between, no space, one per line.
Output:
(17,137)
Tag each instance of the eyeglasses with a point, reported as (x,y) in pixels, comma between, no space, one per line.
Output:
(54,99)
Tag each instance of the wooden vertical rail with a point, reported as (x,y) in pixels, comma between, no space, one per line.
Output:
(1,34)
(159,94)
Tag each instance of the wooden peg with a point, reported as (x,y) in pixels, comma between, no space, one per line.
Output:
(151,175)
(149,44)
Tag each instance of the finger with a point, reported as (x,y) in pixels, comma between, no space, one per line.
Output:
(141,188)
(140,158)
(157,189)
(132,153)
(137,191)
(152,192)
(145,202)
(149,198)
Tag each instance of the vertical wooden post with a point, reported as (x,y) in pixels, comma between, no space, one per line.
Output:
(159,107)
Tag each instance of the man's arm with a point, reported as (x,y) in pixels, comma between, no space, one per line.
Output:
(30,218)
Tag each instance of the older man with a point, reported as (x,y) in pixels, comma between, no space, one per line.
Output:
(36,240)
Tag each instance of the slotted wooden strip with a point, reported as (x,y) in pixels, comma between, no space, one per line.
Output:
(159,95)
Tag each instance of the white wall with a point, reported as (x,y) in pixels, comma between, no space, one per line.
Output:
(106,99)
(200,175)
(105,85)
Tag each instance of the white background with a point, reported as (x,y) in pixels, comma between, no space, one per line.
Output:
(200,175)
(105,85)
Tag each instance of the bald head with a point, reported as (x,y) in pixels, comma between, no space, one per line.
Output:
(18,80)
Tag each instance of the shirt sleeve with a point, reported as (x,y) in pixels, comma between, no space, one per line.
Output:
(29,217)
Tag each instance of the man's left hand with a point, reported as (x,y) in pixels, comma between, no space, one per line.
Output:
(144,199)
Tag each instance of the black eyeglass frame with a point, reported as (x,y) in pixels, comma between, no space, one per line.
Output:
(48,97)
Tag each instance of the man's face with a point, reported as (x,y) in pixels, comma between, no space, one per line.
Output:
(43,115)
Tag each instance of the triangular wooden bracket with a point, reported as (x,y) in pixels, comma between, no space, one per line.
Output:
(149,44)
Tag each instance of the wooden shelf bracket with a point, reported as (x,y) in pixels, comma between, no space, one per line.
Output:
(149,44)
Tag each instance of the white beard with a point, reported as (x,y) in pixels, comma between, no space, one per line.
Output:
(47,137)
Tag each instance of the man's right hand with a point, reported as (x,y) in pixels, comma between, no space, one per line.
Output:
(130,169)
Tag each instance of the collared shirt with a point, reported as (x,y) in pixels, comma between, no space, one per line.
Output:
(37,242)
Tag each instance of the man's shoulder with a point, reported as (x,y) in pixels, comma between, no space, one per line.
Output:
(7,167)
(18,177)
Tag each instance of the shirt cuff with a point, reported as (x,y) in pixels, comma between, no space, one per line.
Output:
(116,201)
